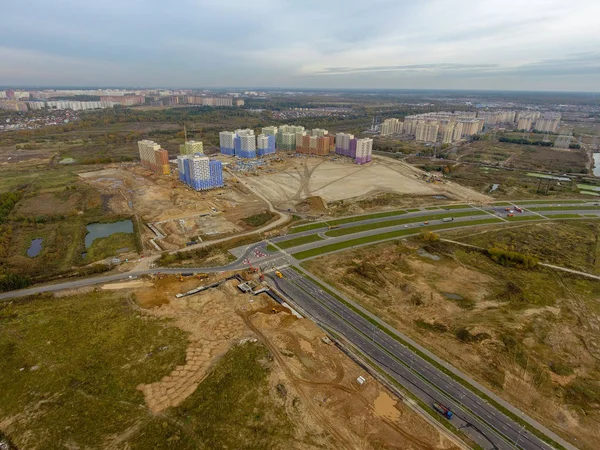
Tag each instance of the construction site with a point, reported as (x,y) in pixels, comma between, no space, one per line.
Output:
(176,215)
(323,391)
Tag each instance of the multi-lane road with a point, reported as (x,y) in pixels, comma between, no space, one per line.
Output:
(483,422)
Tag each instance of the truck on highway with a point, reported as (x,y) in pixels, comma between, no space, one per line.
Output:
(447,219)
(518,209)
(443,410)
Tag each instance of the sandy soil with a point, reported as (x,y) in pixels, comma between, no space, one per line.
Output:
(332,404)
(177,212)
(337,180)
(126,285)
(407,292)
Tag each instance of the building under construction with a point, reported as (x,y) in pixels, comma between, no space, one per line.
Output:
(153,157)
(360,150)
(197,170)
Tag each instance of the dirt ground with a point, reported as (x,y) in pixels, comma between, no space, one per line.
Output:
(177,212)
(338,179)
(510,345)
(308,369)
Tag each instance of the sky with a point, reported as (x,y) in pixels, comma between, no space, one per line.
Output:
(362,44)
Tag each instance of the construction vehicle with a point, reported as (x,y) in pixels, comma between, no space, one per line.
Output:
(279,274)
(443,410)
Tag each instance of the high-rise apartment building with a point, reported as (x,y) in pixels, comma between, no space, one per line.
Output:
(199,172)
(271,131)
(524,123)
(153,157)
(342,143)
(318,132)
(191,147)
(364,149)
(245,145)
(227,142)
(548,123)
(286,137)
(265,144)
(471,127)
(427,131)
(391,126)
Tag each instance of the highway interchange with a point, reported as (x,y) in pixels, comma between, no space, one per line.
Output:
(483,422)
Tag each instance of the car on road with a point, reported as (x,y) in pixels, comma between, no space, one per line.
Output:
(518,209)
(425,223)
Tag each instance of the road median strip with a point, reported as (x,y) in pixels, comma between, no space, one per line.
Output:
(325,224)
(438,366)
(383,236)
(407,220)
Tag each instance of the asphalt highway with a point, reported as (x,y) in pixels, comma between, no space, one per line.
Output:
(486,425)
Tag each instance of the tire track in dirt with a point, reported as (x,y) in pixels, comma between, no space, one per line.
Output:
(322,418)
(298,382)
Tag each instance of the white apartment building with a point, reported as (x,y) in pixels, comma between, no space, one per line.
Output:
(427,131)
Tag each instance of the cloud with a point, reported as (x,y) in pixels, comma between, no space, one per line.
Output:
(339,43)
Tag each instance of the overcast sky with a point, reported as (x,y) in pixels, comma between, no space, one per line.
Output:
(421,44)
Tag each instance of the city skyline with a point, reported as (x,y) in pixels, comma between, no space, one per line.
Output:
(445,45)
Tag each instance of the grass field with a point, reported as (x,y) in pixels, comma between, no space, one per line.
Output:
(295,242)
(523,218)
(564,208)
(572,243)
(391,223)
(260,219)
(380,237)
(456,206)
(510,327)
(106,247)
(314,226)
(77,361)
(230,409)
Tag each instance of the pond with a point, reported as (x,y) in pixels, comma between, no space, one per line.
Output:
(35,247)
(597,164)
(452,296)
(494,187)
(100,230)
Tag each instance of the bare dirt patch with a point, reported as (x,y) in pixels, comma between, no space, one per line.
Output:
(177,212)
(340,180)
(313,381)
(531,336)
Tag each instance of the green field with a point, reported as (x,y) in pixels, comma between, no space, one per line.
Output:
(77,361)
(391,223)
(456,206)
(314,226)
(522,218)
(295,242)
(564,208)
(379,237)
(550,200)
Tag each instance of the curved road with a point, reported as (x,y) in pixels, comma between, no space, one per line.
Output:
(486,424)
